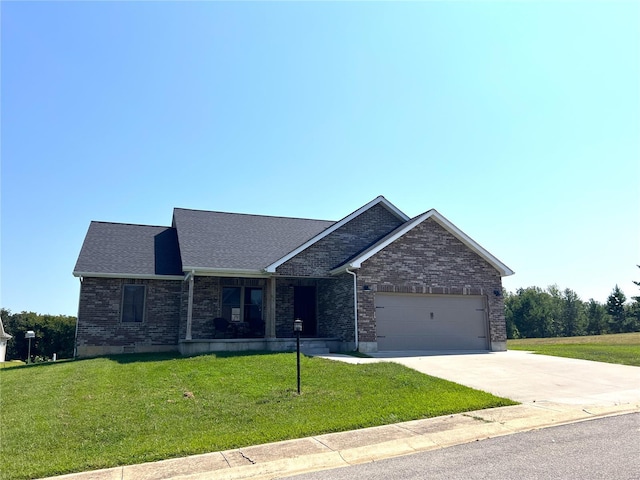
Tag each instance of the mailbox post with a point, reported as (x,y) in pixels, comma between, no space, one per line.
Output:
(29,335)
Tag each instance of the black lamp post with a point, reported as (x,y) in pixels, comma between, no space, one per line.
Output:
(297,327)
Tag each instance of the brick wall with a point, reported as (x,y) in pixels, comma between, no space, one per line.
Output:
(335,307)
(207,303)
(428,259)
(100,330)
(207,298)
(333,250)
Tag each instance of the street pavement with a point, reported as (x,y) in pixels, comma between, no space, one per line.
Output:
(605,448)
(553,391)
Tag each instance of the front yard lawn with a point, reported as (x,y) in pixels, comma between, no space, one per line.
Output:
(622,348)
(88,414)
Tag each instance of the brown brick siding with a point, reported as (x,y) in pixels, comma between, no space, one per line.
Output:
(99,322)
(207,303)
(428,259)
(335,305)
(337,247)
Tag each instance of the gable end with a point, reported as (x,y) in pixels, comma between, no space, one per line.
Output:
(380,200)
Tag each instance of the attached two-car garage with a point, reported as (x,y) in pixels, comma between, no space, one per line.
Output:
(431,322)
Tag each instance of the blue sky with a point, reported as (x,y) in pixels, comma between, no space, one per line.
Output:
(518,121)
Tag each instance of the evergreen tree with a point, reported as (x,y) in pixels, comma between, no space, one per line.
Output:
(531,313)
(573,314)
(597,318)
(637,299)
(615,308)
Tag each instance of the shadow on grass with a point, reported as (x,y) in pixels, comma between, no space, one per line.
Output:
(12,365)
(126,358)
(159,357)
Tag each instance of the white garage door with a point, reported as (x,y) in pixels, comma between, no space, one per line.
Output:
(431,322)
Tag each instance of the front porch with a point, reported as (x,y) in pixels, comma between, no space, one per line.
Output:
(308,346)
(229,314)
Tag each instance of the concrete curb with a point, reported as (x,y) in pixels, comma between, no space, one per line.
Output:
(292,457)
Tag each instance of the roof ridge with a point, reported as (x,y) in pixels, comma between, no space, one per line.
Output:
(253,214)
(131,224)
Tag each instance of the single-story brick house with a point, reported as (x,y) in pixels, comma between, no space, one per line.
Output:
(212,281)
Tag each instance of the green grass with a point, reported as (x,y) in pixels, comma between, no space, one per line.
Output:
(89,414)
(11,363)
(622,348)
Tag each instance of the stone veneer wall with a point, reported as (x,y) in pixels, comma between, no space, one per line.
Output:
(428,259)
(100,330)
(353,237)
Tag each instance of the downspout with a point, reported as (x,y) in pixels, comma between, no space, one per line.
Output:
(189,305)
(75,340)
(355,303)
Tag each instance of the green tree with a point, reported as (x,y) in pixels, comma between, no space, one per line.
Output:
(556,306)
(633,317)
(633,312)
(573,317)
(509,301)
(531,313)
(597,318)
(637,298)
(615,308)
(54,334)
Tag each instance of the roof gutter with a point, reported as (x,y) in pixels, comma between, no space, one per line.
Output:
(226,272)
(355,304)
(142,276)
(75,337)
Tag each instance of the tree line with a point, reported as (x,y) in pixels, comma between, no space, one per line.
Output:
(54,334)
(536,313)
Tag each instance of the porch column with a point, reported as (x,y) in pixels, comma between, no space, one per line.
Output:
(270,320)
(189,307)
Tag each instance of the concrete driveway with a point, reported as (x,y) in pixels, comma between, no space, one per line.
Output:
(526,377)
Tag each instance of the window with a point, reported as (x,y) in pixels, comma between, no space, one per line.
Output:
(231,303)
(133,303)
(242,304)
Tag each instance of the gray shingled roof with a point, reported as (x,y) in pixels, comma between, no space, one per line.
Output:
(117,248)
(216,240)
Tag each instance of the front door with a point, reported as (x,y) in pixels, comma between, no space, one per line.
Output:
(304,308)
